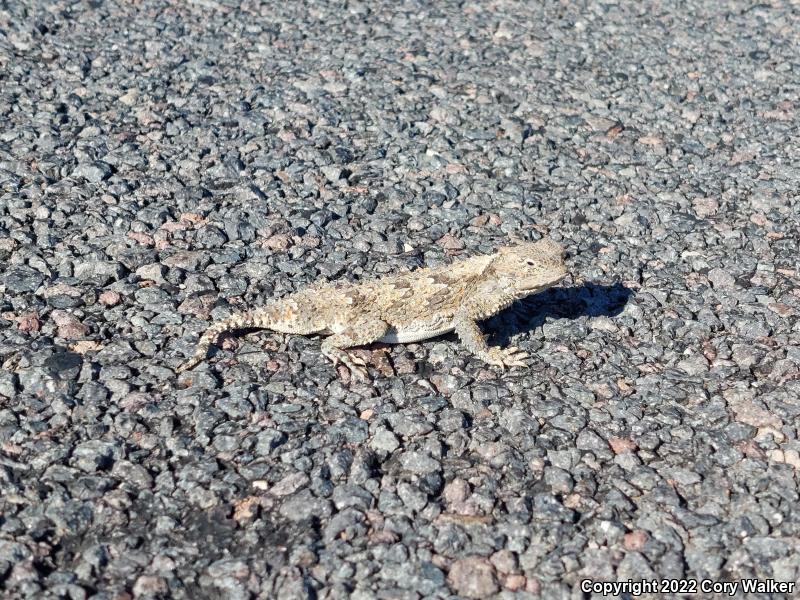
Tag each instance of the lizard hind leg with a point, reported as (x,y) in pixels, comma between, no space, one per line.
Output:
(357,333)
(212,334)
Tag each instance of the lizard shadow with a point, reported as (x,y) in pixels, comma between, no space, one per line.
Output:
(528,314)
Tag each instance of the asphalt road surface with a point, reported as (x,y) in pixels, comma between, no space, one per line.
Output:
(165,164)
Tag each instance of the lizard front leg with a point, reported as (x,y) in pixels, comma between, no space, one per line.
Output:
(470,335)
(357,333)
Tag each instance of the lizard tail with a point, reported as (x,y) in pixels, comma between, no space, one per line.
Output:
(239,321)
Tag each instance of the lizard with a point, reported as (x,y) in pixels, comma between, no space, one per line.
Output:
(407,307)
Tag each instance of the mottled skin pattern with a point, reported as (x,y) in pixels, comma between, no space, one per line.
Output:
(408,307)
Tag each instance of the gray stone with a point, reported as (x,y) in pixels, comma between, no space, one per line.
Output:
(93,172)
(22,279)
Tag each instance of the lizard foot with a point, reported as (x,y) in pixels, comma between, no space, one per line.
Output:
(357,367)
(354,364)
(509,357)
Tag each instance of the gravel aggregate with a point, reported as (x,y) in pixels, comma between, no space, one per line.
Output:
(164,164)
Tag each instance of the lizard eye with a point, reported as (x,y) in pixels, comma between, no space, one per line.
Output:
(530,263)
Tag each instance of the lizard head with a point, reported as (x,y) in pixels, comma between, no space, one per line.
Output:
(530,267)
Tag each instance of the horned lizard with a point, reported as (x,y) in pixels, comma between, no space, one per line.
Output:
(408,307)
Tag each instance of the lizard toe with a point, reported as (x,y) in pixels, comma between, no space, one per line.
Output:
(356,366)
(358,373)
(356,360)
(517,363)
(185,366)
(514,357)
(497,361)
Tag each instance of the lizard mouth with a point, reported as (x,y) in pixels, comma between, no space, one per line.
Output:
(533,286)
